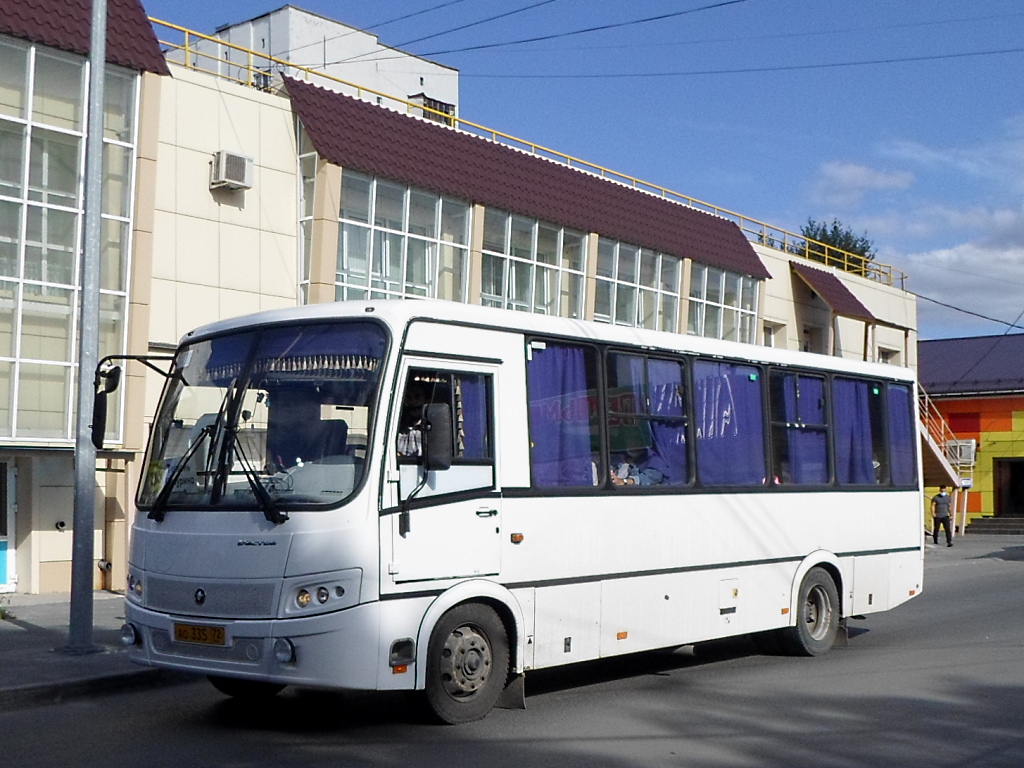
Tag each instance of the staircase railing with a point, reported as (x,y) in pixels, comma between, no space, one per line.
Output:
(939,430)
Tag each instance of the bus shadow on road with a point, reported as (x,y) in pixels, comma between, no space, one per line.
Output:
(1007,554)
(321,711)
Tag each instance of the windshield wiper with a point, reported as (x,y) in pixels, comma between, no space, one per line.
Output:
(263,498)
(159,508)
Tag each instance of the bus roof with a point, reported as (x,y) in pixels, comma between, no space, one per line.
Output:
(398,313)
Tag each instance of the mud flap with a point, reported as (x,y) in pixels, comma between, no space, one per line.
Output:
(842,635)
(514,694)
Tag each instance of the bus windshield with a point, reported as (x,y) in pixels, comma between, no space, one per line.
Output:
(270,419)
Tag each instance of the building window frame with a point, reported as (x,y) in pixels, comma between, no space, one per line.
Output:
(440,269)
(637,287)
(722,304)
(53,288)
(515,253)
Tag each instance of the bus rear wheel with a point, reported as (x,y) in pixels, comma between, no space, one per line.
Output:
(467,663)
(245,689)
(817,616)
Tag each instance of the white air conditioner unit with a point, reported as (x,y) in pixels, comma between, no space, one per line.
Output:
(963,451)
(231,171)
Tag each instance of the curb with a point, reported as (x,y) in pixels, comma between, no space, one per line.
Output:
(19,697)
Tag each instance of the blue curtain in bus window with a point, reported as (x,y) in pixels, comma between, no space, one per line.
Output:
(559,408)
(808,450)
(729,426)
(225,361)
(473,427)
(668,428)
(852,427)
(902,455)
(341,352)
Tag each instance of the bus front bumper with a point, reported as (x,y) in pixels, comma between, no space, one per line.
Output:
(334,650)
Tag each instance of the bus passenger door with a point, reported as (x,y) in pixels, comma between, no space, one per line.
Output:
(445,523)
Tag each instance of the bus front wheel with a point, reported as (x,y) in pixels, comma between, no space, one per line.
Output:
(467,663)
(817,616)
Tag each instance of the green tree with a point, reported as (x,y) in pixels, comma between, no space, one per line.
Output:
(837,235)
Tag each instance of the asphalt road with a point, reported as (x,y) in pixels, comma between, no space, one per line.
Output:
(936,682)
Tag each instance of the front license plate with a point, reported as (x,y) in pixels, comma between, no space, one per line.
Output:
(193,633)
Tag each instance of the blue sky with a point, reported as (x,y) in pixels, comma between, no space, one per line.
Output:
(926,157)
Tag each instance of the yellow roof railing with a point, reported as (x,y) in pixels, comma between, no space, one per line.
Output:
(218,57)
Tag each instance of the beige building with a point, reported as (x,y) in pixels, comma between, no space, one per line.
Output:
(250,194)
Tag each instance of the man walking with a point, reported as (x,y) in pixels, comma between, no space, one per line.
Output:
(940,516)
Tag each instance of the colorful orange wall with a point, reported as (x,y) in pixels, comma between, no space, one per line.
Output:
(997,423)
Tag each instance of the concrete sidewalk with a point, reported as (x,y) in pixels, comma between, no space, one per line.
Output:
(35,667)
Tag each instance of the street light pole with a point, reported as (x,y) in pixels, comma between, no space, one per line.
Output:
(80,627)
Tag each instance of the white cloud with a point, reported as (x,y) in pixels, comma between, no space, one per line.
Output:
(843,185)
(985,277)
(934,220)
(1000,159)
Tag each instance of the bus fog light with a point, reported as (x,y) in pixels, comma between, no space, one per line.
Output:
(302,599)
(322,595)
(129,636)
(284,650)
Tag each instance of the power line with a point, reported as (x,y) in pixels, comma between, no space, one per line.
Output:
(447,31)
(572,33)
(377,26)
(749,70)
(988,351)
(600,28)
(1010,326)
(710,40)
(475,23)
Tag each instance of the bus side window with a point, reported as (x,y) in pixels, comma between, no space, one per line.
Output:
(902,436)
(646,421)
(563,410)
(469,396)
(728,423)
(799,429)
(861,453)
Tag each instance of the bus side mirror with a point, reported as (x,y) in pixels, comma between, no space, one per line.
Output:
(106,383)
(437,436)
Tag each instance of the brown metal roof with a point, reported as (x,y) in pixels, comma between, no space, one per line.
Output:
(835,294)
(65,24)
(365,137)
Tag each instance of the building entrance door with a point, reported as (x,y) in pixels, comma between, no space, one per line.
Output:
(1009,487)
(8,574)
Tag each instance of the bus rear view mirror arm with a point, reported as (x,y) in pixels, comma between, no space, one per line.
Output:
(107,380)
(436,455)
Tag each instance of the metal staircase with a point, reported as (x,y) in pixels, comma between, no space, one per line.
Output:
(947,460)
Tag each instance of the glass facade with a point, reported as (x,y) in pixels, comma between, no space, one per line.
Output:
(395,241)
(723,305)
(532,266)
(637,286)
(42,159)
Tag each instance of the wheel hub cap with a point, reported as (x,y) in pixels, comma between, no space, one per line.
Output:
(465,662)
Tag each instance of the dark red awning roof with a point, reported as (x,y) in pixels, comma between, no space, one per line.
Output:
(368,138)
(65,24)
(833,292)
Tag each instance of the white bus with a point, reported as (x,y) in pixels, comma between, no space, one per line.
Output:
(429,496)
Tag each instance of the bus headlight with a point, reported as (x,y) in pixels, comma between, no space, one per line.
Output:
(320,593)
(134,587)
